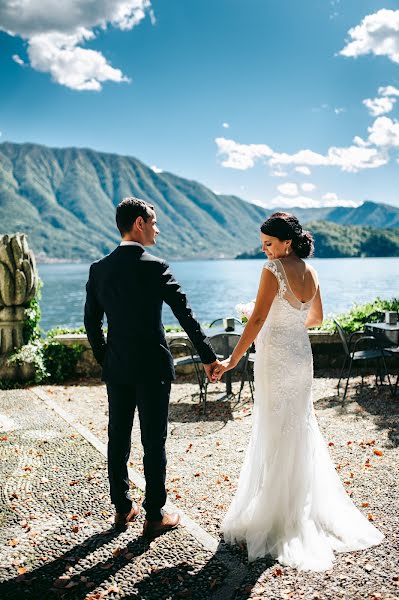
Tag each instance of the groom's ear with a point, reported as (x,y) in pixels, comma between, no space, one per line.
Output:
(139,222)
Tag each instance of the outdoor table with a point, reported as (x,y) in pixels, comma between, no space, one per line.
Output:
(384,330)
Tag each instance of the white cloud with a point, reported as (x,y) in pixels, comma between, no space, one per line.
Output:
(278,173)
(55,31)
(241,156)
(384,132)
(156,169)
(360,141)
(327,200)
(297,201)
(288,189)
(339,110)
(18,60)
(379,106)
(68,63)
(226,125)
(303,170)
(331,199)
(378,34)
(351,159)
(389,90)
(308,187)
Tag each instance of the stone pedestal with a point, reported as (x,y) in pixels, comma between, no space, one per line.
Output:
(18,285)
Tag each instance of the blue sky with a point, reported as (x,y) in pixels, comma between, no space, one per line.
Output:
(280,102)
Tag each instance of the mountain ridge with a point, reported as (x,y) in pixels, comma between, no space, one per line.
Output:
(65,198)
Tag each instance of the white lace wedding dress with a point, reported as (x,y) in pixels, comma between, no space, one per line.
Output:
(290,502)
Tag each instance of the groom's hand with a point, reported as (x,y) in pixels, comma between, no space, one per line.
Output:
(209,370)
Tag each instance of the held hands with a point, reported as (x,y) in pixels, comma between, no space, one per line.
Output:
(215,370)
(209,369)
(222,367)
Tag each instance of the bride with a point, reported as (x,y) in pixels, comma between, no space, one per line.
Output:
(290,502)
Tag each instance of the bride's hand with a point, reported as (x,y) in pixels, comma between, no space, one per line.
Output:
(225,365)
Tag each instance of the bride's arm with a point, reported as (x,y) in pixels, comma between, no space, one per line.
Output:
(268,287)
(315,315)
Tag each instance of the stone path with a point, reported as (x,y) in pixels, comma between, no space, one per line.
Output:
(55,525)
(56,534)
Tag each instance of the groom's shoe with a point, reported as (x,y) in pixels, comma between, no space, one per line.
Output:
(122,519)
(154,528)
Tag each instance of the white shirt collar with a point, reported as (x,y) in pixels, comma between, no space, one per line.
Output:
(127,243)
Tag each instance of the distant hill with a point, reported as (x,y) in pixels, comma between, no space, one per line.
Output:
(65,199)
(338,241)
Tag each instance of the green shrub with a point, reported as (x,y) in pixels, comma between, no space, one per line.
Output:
(355,318)
(31,329)
(65,330)
(60,360)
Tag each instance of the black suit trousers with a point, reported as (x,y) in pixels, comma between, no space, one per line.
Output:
(152,401)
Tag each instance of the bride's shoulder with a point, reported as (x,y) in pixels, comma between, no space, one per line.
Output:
(272,264)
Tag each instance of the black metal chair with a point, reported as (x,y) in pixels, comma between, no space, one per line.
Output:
(190,358)
(393,351)
(247,372)
(223,345)
(354,356)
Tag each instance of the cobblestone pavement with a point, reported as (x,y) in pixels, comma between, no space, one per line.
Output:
(57,514)
(56,534)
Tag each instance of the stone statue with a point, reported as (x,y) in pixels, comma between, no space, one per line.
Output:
(18,284)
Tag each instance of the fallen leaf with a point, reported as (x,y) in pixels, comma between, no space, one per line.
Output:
(349,443)
(4,438)
(13,542)
(74,517)
(331,443)
(27,468)
(21,570)
(277,572)
(197,474)
(378,452)
(177,496)
(75,528)
(365,504)
(74,482)
(371,517)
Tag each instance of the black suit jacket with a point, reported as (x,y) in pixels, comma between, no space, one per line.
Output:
(129,286)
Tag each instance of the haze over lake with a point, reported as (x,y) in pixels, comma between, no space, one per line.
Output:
(215,287)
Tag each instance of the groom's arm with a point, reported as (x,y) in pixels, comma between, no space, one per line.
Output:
(93,320)
(173,295)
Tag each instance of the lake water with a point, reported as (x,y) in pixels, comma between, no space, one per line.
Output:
(215,287)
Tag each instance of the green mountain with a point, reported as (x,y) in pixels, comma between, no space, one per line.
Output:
(65,199)
(338,241)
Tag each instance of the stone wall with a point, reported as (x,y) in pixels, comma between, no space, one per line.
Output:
(327,352)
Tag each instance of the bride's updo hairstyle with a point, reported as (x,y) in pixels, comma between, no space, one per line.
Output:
(285,226)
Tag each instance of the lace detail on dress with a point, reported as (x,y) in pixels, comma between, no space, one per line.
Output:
(282,286)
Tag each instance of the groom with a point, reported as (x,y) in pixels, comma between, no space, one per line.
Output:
(129,286)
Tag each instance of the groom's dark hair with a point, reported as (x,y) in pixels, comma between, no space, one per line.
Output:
(128,210)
